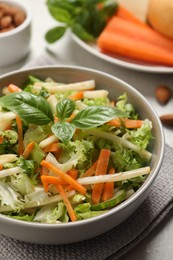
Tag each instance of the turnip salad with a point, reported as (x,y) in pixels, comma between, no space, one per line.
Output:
(68,152)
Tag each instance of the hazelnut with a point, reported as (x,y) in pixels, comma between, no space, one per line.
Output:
(6,21)
(19,17)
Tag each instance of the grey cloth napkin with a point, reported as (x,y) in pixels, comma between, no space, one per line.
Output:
(114,243)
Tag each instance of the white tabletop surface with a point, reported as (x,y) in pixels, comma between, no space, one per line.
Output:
(158,245)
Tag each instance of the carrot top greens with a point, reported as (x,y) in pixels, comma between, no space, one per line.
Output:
(86,18)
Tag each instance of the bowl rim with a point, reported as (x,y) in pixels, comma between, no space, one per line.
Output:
(25,23)
(125,203)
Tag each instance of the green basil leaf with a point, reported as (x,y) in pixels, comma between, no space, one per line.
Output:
(55,34)
(65,108)
(31,108)
(60,14)
(94,116)
(64,131)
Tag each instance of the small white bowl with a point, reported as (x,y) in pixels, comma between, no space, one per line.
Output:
(15,44)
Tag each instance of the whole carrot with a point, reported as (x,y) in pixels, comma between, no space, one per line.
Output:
(125,14)
(137,32)
(126,46)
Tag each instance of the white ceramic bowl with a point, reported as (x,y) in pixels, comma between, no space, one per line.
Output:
(84,229)
(15,44)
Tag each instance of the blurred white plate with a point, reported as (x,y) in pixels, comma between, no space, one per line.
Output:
(123,62)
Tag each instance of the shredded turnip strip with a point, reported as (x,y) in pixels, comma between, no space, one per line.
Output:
(51,139)
(80,105)
(10,171)
(4,125)
(7,116)
(114,177)
(129,193)
(35,204)
(5,119)
(54,87)
(49,200)
(52,100)
(62,166)
(96,94)
(8,158)
(5,91)
(118,140)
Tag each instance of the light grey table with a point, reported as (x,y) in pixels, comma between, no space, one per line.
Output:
(159,244)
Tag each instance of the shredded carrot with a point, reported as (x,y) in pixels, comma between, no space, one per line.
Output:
(128,123)
(20,135)
(133,123)
(96,193)
(76,131)
(46,180)
(53,147)
(71,117)
(13,88)
(28,150)
(73,173)
(112,103)
(57,153)
(44,171)
(68,187)
(115,122)
(108,188)
(77,96)
(49,179)
(1,139)
(9,127)
(100,6)
(91,170)
(38,171)
(1,167)
(56,119)
(67,203)
(101,169)
(67,178)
